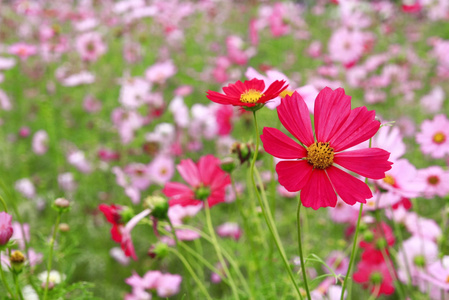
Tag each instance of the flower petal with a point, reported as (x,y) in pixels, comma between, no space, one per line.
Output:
(280,145)
(189,171)
(273,91)
(358,127)
(207,166)
(349,188)
(294,115)
(174,189)
(331,110)
(318,191)
(370,162)
(293,175)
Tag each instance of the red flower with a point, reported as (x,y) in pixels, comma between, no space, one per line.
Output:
(374,276)
(249,93)
(112,214)
(381,237)
(206,179)
(312,166)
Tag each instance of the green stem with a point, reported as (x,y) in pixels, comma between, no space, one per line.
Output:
(192,273)
(270,224)
(218,250)
(225,253)
(4,204)
(16,283)
(353,253)
(4,279)
(50,256)
(301,257)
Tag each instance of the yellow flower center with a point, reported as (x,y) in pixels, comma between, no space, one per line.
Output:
(285,93)
(320,155)
(439,137)
(251,96)
(447,279)
(389,180)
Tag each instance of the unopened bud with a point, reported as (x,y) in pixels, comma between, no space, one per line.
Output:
(228,164)
(158,206)
(61,205)
(17,260)
(158,250)
(64,227)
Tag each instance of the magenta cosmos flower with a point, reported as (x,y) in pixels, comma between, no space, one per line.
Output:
(206,179)
(315,165)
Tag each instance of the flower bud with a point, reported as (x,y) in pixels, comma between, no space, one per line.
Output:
(61,205)
(64,227)
(6,229)
(158,250)
(228,165)
(158,206)
(17,260)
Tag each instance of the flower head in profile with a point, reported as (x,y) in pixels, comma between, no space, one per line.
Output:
(206,181)
(315,166)
(249,93)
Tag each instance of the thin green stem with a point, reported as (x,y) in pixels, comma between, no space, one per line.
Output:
(225,253)
(4,279)
(4,204)
(353,253)
(268,219)
(301,257)
(50,256)
(16,283)
(218,249)
(192,273)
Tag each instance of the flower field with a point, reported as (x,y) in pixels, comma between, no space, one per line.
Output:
(215,149)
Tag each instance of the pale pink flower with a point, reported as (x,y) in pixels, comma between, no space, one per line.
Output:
(66,182)
(434,136)
(203,123)
(178,214)
(418,254)
(183,90)
(118,254)
(180,111)
(139,175)
(21,234)
(78,160)
(40,142)
(83,77)
(23,50)
(90,46)
(437,274)
(346,46)
(34,258)
(338,261)
(433,101)
(314,49)
(168,285)
(123,180)
(401,179)
(342,213)
(380,200)
(234,45)
(7,63)
(134,92)
(132,52)
(26,187)
(285,193)
(160,72)
(436,181)
(91,105)
(5,103)
(164,134)
(126,122)
(162,169)
(422,227)
(229,229)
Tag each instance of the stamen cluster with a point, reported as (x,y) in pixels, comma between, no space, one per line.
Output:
(320,155)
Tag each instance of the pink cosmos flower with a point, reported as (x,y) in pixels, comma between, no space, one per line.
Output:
(6,229)
(23,50)
(434,136)
(374,276)
(139,175)
(229,229)
(418,254)
(162,169)
(5,103)
(90,46)
(312,166)
(26,187)
(436,181)
(422,227)
(40,142)
(433,101)
(207,181)
(346,46)
(160,72)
